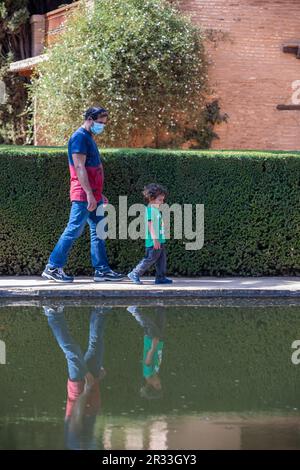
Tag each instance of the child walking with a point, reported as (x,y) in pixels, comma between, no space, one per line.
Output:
(155,241)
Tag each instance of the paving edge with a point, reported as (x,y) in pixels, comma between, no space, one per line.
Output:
(216,293)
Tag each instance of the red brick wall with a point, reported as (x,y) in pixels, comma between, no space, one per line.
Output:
(249,72)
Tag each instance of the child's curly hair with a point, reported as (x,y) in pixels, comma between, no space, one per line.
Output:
(153,190)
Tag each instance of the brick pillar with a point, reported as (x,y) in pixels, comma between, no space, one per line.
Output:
(37,34)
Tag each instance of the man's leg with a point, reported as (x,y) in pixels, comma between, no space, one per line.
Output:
(76,224)
(103,272)
(59,255)
(98,250)
(76,364)
(94,355)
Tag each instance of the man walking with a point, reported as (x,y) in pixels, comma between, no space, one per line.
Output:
(87,177)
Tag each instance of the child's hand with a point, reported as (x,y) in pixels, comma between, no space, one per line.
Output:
(156,245)
(148,358)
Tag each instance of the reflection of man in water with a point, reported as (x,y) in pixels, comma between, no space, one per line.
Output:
(153,348)
(84,374)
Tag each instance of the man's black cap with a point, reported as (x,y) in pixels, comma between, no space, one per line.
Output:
(95,112)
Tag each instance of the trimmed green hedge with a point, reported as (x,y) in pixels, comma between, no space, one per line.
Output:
(251,200)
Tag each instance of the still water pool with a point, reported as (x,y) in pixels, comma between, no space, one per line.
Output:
(152,376)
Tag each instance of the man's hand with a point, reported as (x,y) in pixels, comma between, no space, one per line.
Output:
(156,245)
(104,200)
(92,203)
(89,382)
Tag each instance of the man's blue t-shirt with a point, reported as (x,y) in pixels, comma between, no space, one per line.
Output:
(82,142)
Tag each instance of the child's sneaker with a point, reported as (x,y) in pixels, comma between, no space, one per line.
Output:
(134,278)
(164,280)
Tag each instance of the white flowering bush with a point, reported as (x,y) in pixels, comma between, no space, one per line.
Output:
(141,59)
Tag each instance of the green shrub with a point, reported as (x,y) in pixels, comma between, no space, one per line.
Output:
(141,59)
(251,203)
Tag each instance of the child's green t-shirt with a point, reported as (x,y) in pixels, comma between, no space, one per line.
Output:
(154,214)
(148,371)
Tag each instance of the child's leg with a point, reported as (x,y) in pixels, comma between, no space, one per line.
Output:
(161,264)
(146,263)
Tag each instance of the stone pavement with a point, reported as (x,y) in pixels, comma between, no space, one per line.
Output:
(34,287)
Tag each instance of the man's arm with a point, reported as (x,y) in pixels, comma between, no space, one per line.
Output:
(79,165)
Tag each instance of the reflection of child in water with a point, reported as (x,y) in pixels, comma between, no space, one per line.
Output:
(153,348)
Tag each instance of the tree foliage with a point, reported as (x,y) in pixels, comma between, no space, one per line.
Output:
(14,46)
(141,59)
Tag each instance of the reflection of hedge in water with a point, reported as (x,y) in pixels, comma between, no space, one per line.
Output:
(251,200)
(208,349)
